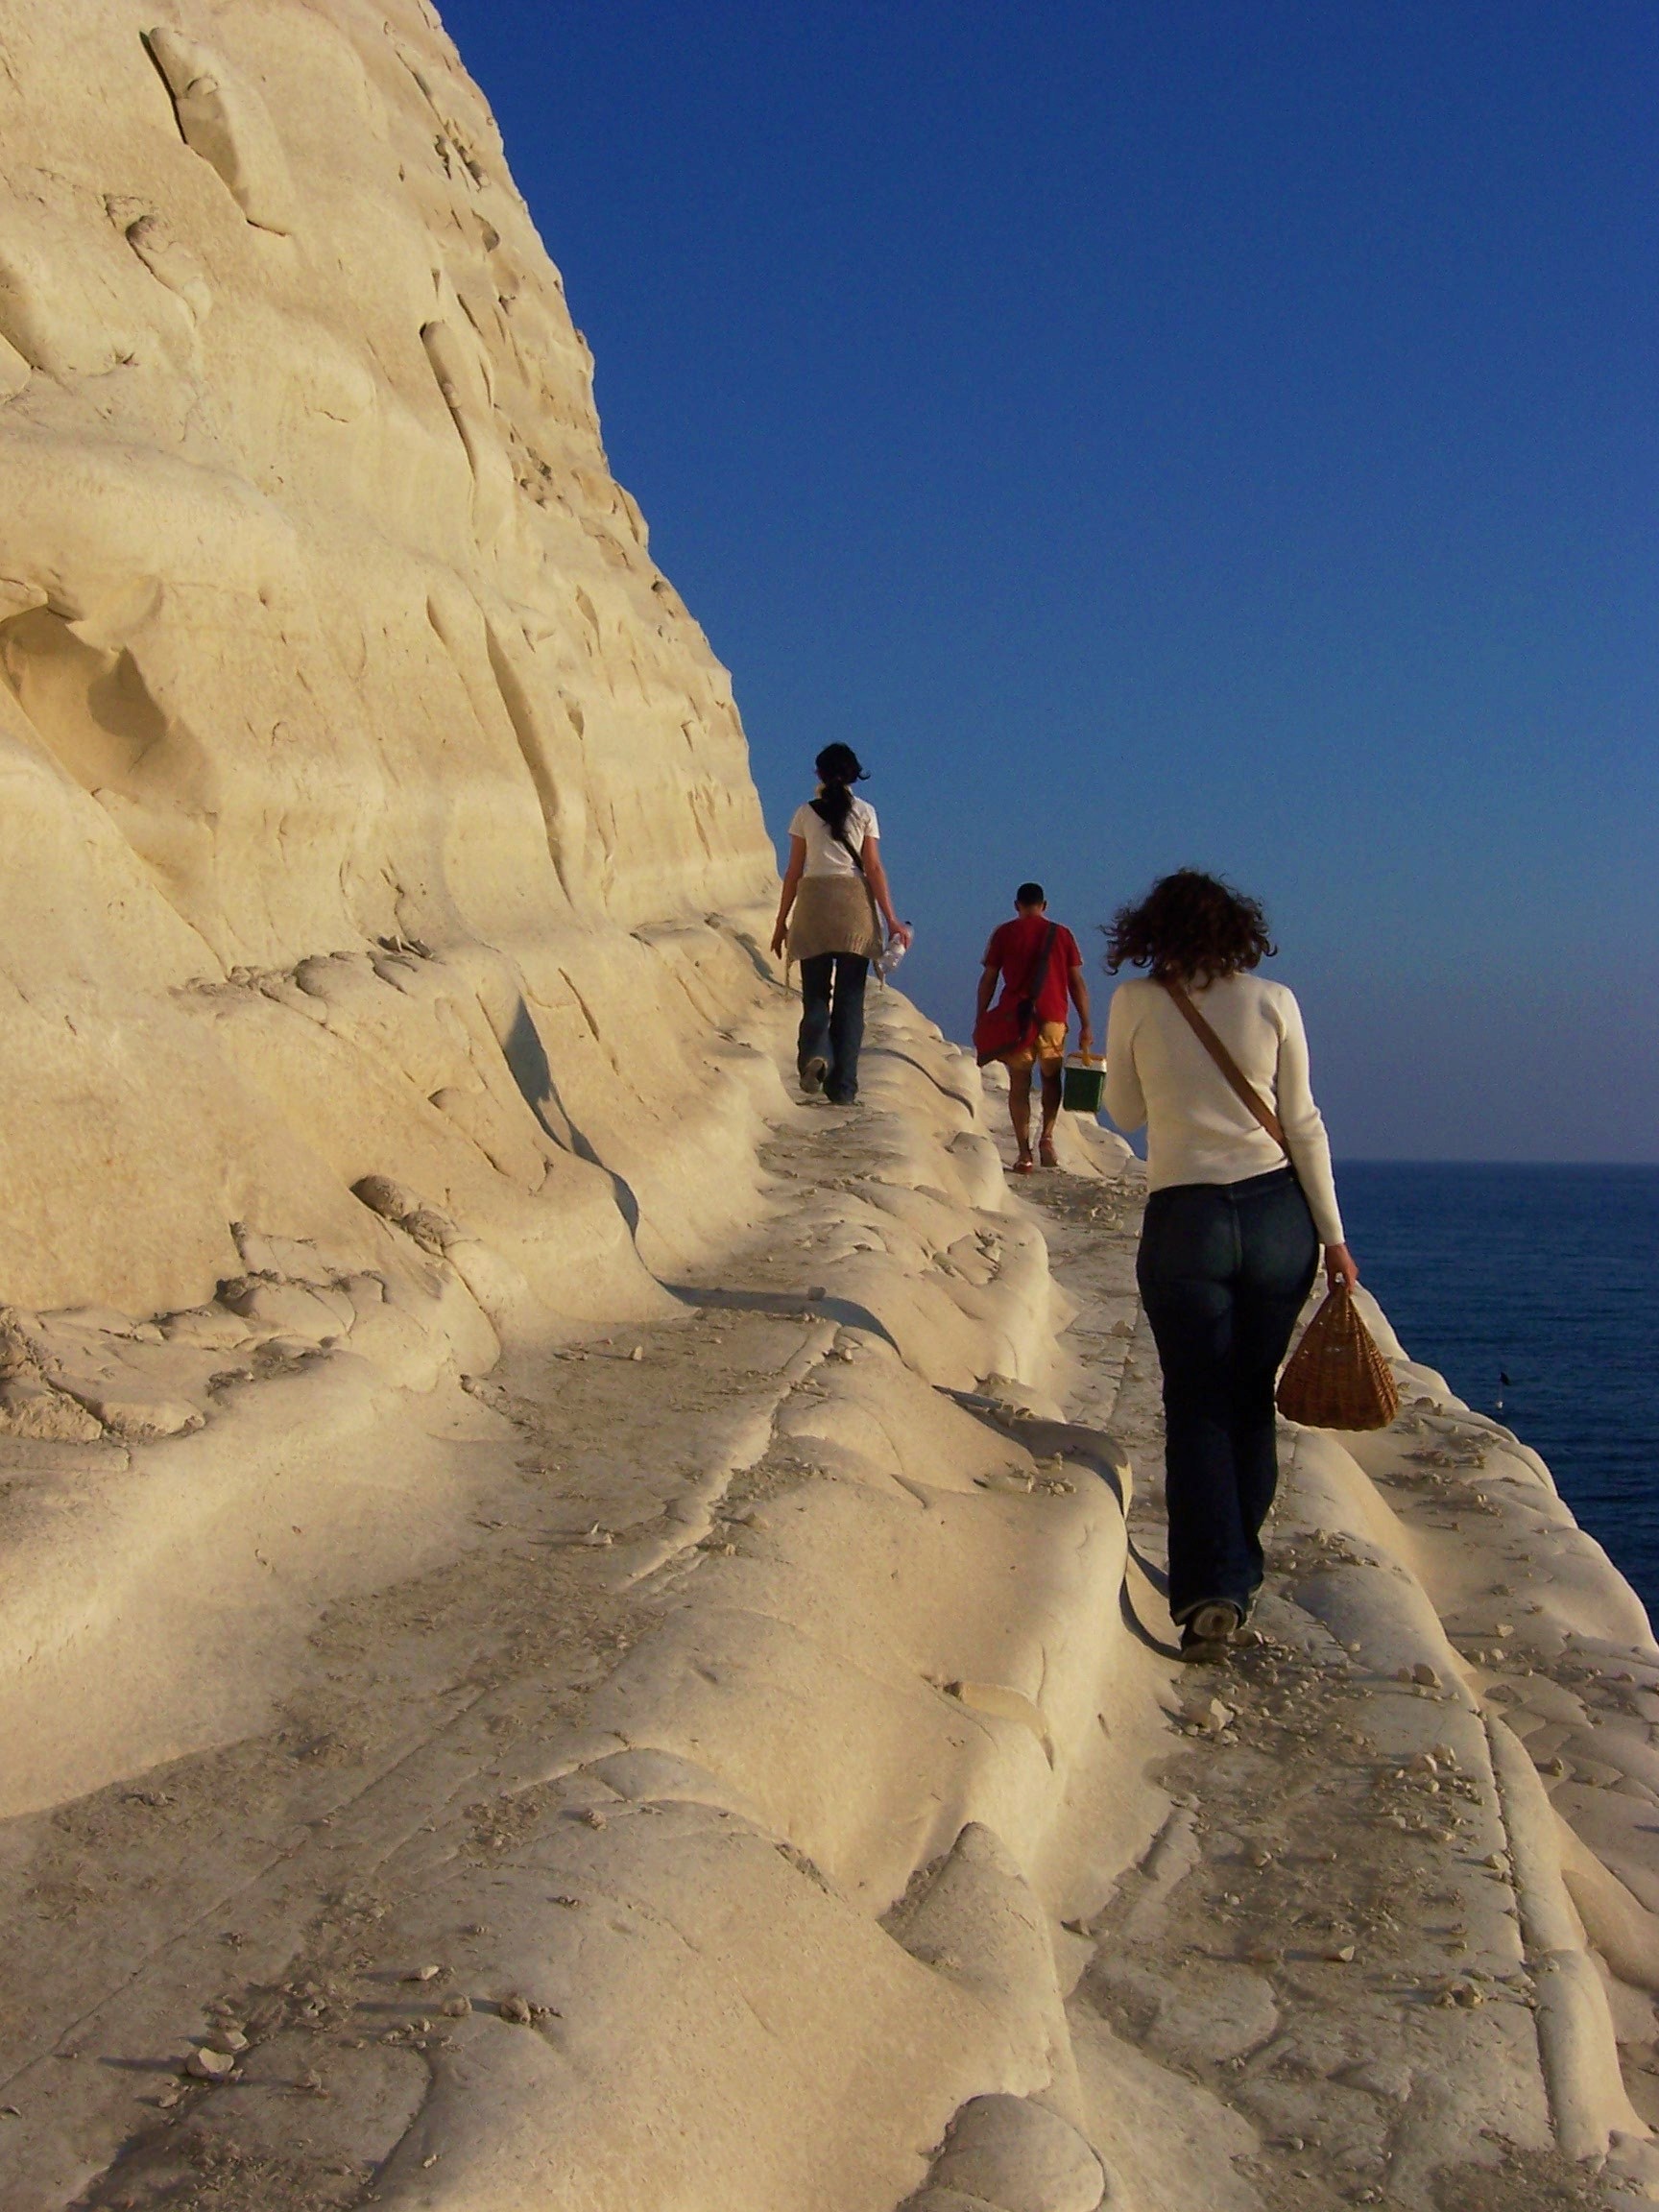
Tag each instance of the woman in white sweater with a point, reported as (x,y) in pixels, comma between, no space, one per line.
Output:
(1235,1223)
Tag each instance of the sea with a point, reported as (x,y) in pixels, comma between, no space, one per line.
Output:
(1535,1291)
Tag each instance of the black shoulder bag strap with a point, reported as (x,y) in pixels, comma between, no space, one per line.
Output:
(1039,975)
(855,854)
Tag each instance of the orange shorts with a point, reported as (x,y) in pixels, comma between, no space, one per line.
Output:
(1050,1049)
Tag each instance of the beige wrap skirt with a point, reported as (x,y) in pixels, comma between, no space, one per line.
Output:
(833,914)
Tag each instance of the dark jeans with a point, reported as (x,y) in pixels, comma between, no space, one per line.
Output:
(1224,1269)
(833,1019)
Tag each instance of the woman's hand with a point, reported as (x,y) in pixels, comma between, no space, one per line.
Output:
(780,936)
(901,933)
(1340,1267)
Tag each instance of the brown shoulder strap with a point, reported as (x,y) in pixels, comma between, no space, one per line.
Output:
(1237,1081)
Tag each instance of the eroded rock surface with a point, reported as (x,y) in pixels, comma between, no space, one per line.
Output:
(575,1631)
(366,787)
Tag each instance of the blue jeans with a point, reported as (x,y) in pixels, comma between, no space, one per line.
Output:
(833,1019)
(1224,1269)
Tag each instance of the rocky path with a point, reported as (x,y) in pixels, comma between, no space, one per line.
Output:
(787,1795)
(348,1956)
(1328,1946)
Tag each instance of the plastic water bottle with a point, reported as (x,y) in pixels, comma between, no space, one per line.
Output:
(887,961)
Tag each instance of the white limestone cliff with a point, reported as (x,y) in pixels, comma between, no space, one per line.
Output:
(366,786)
(575,1632)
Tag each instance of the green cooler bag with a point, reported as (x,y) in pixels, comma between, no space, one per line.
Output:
(1083,1086)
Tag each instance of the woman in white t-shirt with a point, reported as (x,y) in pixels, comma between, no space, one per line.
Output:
(1235,1223)
(831,915)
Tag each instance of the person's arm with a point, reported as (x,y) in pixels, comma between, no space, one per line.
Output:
(1125,1100)
(876,875)
(1308,1144)
(1080,1000)
(791,885)
(988,975)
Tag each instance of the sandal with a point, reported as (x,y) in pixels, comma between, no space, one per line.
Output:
(1046,1154)
(1024,1165)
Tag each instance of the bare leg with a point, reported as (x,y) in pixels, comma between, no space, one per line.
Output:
(1050,1110)
(1020,1108)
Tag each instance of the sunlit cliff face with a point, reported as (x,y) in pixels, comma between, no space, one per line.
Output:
(325,636)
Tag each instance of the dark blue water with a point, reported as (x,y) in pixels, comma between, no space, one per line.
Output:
(1550,1275)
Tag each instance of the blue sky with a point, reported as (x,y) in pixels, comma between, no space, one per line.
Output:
(1170,433)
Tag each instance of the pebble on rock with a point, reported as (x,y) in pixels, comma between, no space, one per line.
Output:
(1206,1712)
(209,2065)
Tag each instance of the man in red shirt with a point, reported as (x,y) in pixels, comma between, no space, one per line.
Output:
(1038,963)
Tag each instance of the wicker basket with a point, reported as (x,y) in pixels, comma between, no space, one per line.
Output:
(1337,1378)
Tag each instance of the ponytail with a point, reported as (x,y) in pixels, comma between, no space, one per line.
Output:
(834,806)
(838,770)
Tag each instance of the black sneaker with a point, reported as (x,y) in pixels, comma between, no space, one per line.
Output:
(1207,1632)
(812,1074)
(1216,1622)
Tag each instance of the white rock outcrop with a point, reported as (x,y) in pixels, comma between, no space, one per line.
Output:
(366,788)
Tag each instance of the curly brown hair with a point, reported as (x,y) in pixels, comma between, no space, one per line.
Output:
(1188,924)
